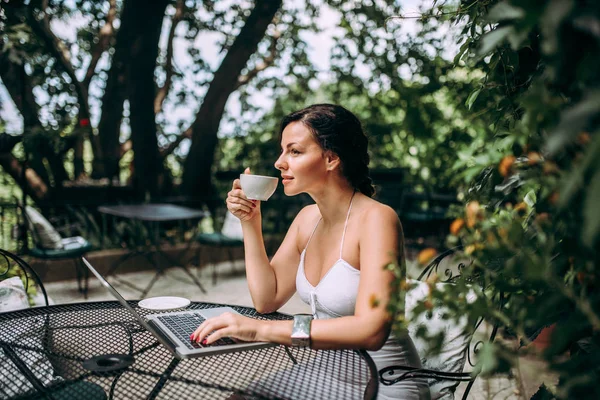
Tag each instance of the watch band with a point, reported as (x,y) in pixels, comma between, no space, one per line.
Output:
(301,330)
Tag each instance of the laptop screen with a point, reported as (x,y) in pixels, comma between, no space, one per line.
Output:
(118,296)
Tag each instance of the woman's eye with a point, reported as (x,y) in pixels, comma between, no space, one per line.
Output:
(294,151)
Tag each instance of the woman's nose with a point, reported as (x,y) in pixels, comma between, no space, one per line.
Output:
(279,164)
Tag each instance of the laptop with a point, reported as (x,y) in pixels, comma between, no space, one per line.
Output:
(173,329)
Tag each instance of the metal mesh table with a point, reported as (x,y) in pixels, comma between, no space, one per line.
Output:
(153,215)
(43,353)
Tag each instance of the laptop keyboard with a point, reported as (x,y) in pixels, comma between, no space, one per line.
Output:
(183,325)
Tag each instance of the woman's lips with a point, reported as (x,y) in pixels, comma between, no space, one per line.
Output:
(286,179)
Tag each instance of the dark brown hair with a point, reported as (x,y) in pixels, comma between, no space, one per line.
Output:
(338,130)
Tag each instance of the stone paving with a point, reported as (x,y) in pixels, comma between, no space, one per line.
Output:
(231,288)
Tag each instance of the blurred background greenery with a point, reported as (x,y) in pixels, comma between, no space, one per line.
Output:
(482,112)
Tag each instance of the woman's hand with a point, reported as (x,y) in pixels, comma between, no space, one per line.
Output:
(239,205)
(227,325)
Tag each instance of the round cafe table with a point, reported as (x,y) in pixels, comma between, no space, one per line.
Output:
(45,353)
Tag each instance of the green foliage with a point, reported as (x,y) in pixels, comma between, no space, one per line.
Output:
(532,226)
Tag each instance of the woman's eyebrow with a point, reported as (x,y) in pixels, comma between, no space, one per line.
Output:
(287,146)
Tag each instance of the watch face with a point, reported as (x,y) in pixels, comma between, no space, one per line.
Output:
(301,330)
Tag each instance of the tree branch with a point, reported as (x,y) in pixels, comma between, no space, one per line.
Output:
(199,161)
(104,36)
(18,85)
(164,152)
(41,25)
(162,92)
(266,62)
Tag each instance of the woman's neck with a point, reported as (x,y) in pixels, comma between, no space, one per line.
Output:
(333,204)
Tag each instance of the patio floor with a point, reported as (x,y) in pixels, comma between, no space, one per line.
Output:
(231,288)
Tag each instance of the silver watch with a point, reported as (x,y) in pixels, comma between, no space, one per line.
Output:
(301,330)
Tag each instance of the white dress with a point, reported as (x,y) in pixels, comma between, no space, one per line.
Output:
(335,296)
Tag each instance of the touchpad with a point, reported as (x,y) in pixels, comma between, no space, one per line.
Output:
(215,312)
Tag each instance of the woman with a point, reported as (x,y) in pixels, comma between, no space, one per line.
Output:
(334,252)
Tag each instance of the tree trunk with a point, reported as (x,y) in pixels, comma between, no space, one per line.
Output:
(106,160)
(196,181)
(18,85)
(141,93)
(33,185)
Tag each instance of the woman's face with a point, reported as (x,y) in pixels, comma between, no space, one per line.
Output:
(302,162)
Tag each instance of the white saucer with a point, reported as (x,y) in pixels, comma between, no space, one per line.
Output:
(164,303)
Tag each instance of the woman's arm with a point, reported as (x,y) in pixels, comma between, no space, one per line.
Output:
(271,284)
(368,328)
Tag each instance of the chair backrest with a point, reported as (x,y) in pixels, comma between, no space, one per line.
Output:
(462,342)
(12,266)
(44,235)
(232,227)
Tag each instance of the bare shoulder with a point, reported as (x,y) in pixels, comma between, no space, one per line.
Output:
(377,214)
(307,214)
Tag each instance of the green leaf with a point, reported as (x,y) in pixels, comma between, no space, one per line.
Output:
(505,11)
(557,11)
(573,120)
(530,199)
(517,37)
(574,180)
(591,211)
(463,49)
(487,360)
(471,173)
(492,39)
(472,97)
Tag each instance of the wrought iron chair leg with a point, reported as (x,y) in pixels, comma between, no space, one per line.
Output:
(231,260)
(82,277)
(86,278)
(468,389)
(214,268)
(198,262)
(79,275)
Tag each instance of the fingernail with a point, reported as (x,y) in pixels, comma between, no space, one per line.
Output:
(254,205)
(204,341)
(192,336)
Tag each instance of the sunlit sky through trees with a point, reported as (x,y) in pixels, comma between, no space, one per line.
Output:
(320,46)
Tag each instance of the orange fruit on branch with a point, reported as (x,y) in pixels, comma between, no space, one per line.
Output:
(505,166)
(521,209)
(473,213)
(583,138)
(456,226)
(426,255)
(533,158)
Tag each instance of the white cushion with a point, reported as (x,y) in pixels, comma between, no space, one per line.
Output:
(452,356)
(232,227)
(75,242)
(13,295)
(48,237)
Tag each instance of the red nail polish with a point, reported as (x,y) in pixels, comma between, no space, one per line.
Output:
(204,341)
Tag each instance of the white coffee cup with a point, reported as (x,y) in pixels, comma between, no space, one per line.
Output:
(258,187)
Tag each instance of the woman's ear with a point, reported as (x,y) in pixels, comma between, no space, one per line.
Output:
(332,160)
